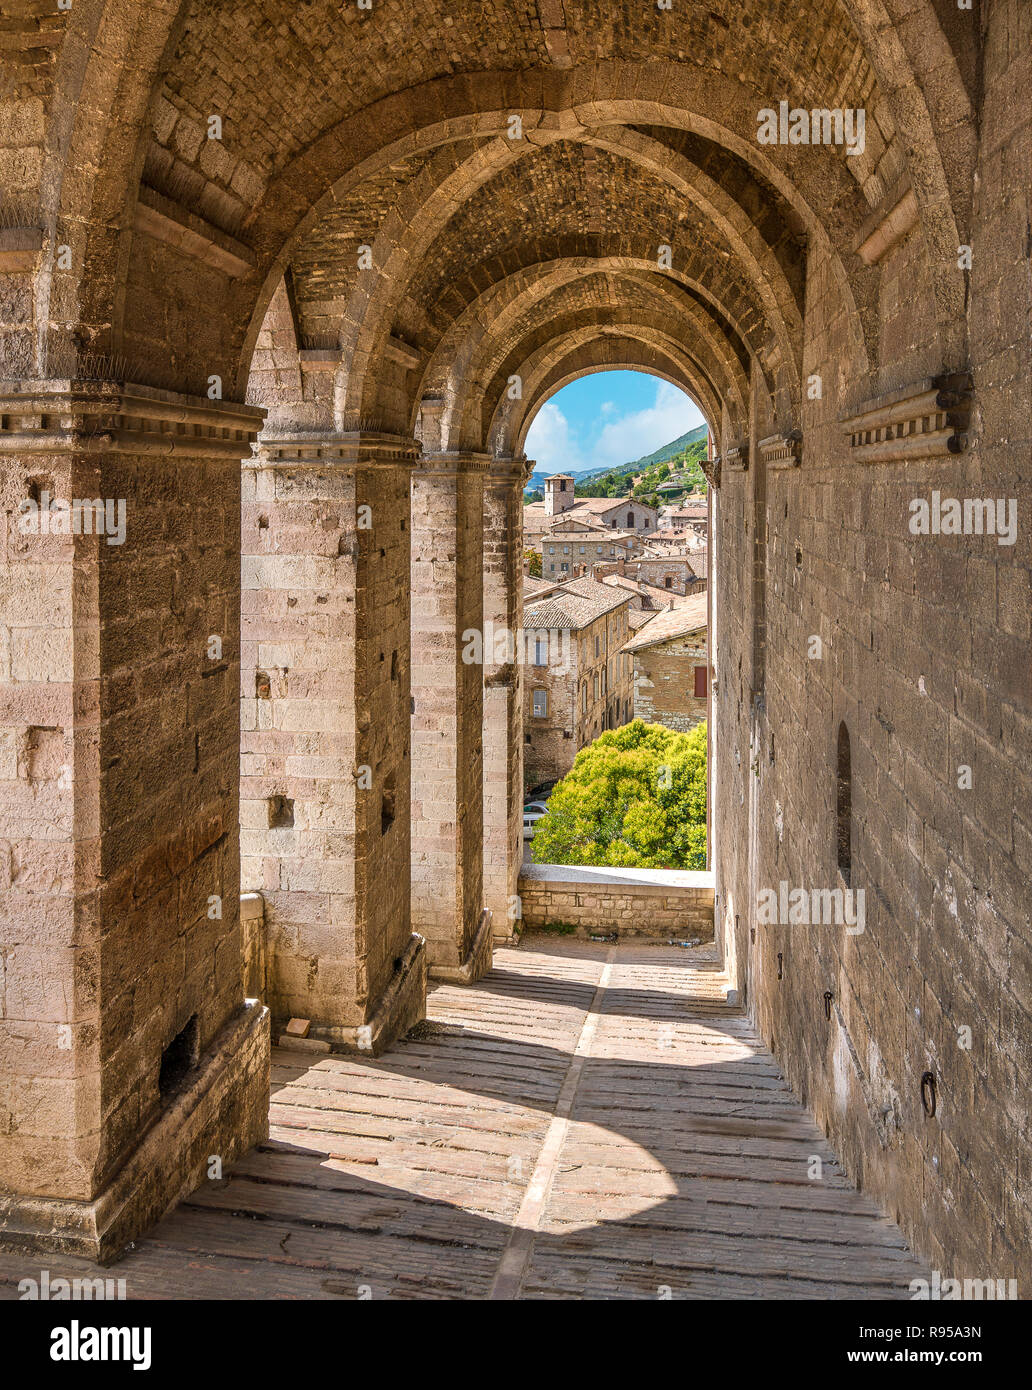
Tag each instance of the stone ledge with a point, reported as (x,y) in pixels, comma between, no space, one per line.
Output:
(222,1108)
(402,1004)
(644,880)
(478,958)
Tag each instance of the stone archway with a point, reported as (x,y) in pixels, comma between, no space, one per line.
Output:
(362,235)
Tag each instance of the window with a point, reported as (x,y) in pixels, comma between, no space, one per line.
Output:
(701,672)
(565,566)
(540,651)
(594,686)
(540,704)
(668,583)
(582,550)
(584,697)
(844,805)
(598,550)
(605,681)
(598,646)
(566,550)
(630,521)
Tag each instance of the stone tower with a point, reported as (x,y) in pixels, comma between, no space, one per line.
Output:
(558,494)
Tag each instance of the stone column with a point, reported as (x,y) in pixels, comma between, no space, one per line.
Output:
(325,768)
(503,692)
(447,714)
(128,1055)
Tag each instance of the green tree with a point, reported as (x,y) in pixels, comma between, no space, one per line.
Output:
(636,798)
(533,560)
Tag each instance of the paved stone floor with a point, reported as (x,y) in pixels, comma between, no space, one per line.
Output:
(587,1121)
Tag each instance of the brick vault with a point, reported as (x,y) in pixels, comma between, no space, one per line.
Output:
(356,249)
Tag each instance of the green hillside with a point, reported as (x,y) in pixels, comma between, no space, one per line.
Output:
(679,462)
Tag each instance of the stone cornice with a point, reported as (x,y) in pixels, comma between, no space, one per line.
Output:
(66,415)
(888,226)
(345,449)
(165,220)
(782,450)
(924,420)
(736,457)
(509,471)
(453,461)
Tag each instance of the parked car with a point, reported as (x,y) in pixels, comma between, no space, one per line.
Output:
(532,813)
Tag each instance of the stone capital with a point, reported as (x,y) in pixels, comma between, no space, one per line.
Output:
(509,471)
(452,463)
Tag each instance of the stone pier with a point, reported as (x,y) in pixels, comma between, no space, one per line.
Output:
(325,739)
(447,714)
(128,1055)
(503,692)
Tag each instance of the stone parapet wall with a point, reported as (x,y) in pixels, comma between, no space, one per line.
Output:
(662,903)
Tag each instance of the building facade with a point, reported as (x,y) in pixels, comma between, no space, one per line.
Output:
(579,680)
(671,666)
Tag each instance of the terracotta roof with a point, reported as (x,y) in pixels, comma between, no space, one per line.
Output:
(638,617)
(690,616)
(575,605)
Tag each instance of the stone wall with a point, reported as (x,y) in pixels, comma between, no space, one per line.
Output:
(664,682)
(923,654)
(668,904)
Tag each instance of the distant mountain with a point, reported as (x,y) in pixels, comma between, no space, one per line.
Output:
(660,455)
(537,478)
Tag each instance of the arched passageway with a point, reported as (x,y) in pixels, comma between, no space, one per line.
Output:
(358,251)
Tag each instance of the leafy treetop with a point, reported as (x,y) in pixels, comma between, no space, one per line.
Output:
(635,797)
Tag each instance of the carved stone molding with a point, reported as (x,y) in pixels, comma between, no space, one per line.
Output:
(350,449)
(711,469)
(925,420)
(454,461)
(509,471)
(782,450)
(887,227)
(61,416)
(164,220)
(736,457)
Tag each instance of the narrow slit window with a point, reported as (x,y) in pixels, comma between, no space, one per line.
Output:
(844,805)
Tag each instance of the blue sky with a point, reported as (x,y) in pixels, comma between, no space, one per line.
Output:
(608,418)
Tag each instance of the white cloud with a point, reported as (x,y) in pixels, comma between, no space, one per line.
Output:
(550,442)
(639,433)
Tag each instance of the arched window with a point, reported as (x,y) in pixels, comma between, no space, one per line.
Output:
(844,805)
